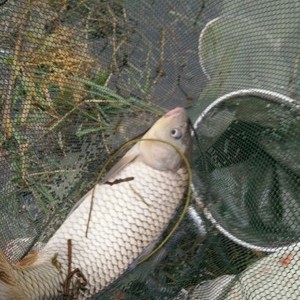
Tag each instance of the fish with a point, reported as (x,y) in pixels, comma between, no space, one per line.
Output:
(132,207)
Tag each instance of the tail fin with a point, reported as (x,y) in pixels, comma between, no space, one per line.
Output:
(8,285)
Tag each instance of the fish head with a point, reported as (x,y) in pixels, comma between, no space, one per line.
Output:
(162,147)
(172,128)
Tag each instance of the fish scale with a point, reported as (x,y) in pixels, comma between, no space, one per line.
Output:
(130,218)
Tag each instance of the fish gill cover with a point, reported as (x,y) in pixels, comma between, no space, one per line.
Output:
(79,78)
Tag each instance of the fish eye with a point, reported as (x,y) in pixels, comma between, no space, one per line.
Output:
(176,133)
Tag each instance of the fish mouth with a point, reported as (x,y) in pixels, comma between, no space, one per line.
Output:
(177,111)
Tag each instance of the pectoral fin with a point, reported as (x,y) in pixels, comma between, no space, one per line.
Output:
(129,157)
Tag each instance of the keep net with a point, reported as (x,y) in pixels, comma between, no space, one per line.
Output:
(80,77)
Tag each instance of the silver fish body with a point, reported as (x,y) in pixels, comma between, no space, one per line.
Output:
(130,211)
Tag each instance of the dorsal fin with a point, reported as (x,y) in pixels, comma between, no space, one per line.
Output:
(129,157)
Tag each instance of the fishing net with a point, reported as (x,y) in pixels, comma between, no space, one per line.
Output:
(79,78)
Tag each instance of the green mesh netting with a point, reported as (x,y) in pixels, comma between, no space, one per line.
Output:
(78,78)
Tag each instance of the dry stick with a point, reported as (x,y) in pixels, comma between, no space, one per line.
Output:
(69,256)
(160,70)
(23,118)
(28,99)
(117,181)
(116,46)
(7,124)
(67,284)
(114,64)
(24,161)
(49,172)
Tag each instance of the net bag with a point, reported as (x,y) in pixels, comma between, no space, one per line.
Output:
(79,78)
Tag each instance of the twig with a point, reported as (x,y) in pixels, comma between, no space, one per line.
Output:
(81,281)
(69,256)
(50,172)
(28,100)
(114,64)
(160,70)
(120,180)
